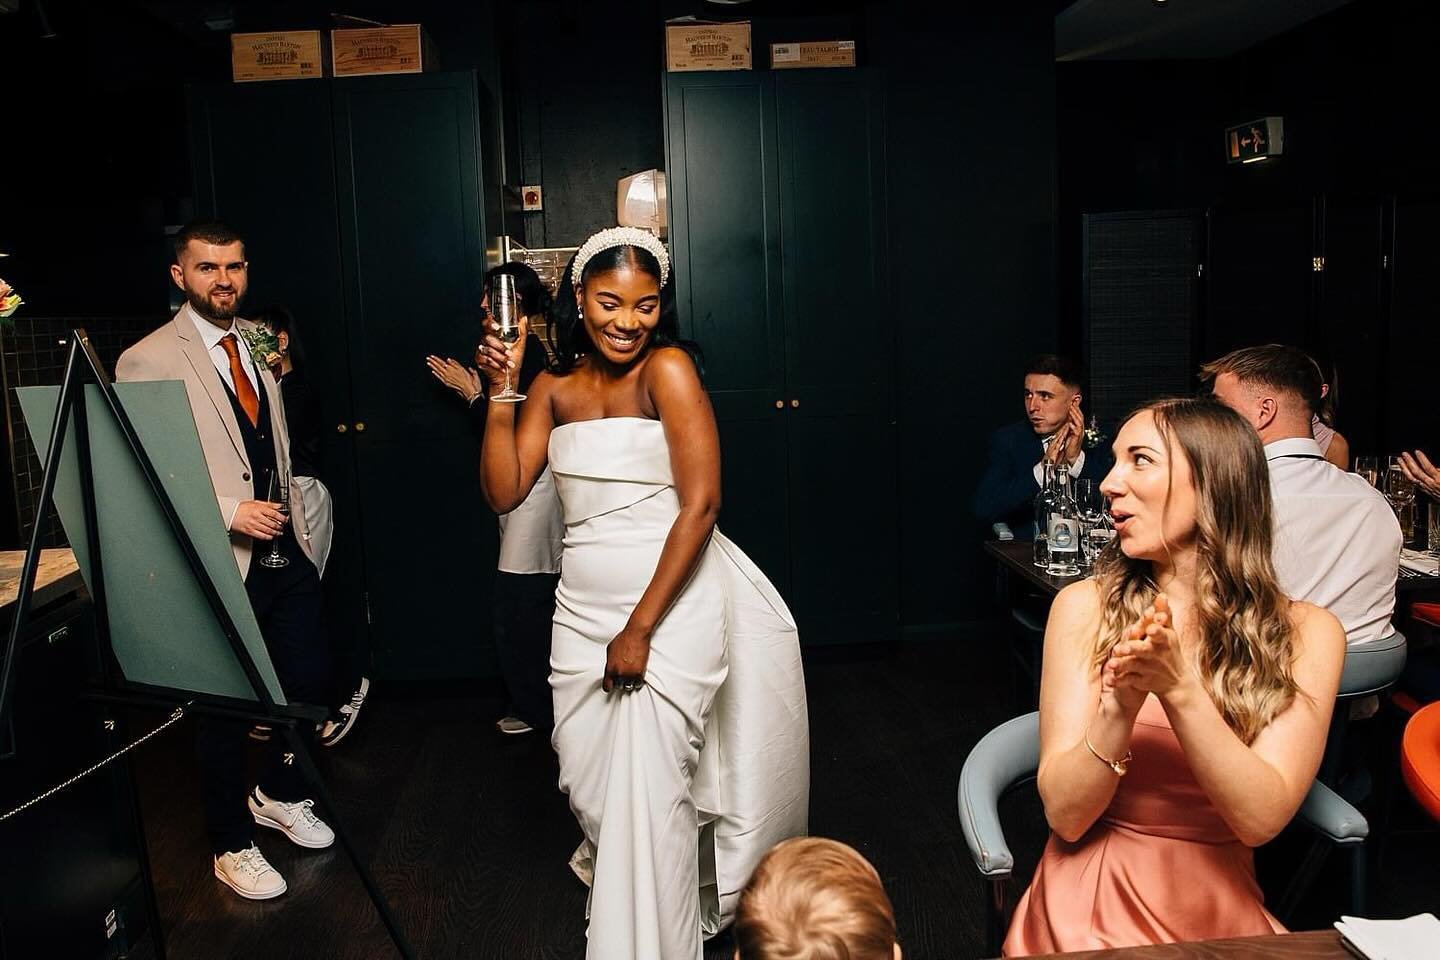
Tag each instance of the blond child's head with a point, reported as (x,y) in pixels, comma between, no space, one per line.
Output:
(815,899)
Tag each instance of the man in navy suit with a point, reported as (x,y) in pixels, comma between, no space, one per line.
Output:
(1053,431)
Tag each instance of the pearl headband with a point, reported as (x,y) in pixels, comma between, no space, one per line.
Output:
(621,237)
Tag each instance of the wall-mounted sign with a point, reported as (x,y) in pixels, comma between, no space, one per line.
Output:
(531,198)
(1257,140)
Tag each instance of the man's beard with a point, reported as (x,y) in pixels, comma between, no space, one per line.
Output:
(212,311)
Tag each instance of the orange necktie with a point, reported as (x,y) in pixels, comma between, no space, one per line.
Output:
(243,391)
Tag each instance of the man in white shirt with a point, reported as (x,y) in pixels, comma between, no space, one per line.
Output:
(1337,542)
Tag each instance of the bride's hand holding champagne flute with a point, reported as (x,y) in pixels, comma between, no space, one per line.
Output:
(509,328)
(499,360)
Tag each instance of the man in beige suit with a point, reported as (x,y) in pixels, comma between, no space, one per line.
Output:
(241,422)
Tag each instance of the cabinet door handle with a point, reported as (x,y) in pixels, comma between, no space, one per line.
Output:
(779,404)
(360,426)
(341,428)
(794,403)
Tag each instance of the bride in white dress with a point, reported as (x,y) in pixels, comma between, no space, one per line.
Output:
(680,719)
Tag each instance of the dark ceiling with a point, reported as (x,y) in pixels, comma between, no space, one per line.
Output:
(1175,29)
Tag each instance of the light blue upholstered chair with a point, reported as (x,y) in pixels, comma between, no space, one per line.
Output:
(1009,756)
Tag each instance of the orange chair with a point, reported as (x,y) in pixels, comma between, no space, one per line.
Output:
(1420,758)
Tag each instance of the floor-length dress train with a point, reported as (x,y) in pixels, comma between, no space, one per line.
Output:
(681,786)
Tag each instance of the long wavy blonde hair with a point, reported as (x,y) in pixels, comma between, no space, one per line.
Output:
(1241,616)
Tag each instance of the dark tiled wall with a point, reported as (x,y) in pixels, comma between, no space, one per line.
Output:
(33,351)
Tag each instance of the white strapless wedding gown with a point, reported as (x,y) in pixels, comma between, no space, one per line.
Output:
(681,786)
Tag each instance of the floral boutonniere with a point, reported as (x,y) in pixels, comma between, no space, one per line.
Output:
(9,300)
(1093,436)
(264,345)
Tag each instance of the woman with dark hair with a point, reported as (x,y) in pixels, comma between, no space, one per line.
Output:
(530,535)
(680,718)
(1184,703)
(302,412)
(1333,445)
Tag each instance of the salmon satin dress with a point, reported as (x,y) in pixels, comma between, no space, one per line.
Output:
(1159,866)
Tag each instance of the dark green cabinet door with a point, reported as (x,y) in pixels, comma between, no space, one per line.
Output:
(724,207)
(413,251)
(264,163)
(840,331)
(778,228)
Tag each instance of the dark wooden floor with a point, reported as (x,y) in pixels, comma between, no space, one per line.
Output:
(469,837)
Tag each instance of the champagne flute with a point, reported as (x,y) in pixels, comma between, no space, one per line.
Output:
(275,560)
(1081,488)
(507,322)
(1369,468)
(1095,510)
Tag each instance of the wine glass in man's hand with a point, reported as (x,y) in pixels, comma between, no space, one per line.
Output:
(275,560)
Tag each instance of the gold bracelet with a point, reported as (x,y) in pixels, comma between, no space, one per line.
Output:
(1119,766)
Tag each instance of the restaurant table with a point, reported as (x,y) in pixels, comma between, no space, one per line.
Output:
(1411,583)
(1017,558)
(1316,945)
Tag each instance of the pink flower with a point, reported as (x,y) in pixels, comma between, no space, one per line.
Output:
(9,300)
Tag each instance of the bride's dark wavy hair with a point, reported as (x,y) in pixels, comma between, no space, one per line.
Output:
(569,340)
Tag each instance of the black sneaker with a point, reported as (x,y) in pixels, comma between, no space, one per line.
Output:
(332,731)
(512,725)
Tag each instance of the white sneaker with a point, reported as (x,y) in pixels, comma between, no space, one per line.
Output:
(332,731)
(249,874)
(512,725)
(296,820)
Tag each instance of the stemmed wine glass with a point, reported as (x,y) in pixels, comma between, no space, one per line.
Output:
(1400,491)
(275,560)
(507,326)
(1399,488)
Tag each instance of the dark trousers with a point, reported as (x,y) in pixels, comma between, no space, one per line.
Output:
(349,661)
(524,610)
(289,607)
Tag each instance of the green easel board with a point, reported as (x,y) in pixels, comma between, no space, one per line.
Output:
(163,631)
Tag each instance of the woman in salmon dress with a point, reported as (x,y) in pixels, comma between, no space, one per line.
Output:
(1184,701)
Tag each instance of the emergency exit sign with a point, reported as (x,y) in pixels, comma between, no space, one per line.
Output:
(1254,141)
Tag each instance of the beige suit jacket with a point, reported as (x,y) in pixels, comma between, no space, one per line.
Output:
(176,352)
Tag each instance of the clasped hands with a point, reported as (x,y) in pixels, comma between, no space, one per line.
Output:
(1069,439)
(1148,660)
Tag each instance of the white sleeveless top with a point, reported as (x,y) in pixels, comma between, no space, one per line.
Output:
(531,535)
